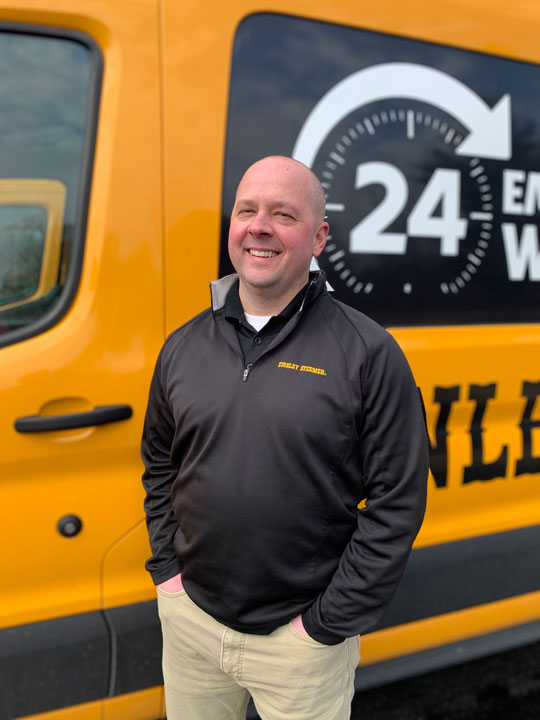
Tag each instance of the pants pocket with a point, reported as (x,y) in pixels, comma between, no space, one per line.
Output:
(166,594)
(305,638)
(354,652)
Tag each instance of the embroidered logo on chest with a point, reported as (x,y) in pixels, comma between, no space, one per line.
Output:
(302,368)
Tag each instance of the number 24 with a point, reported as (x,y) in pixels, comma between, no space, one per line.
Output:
(443,188)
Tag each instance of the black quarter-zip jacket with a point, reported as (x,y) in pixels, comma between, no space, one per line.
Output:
(254,475)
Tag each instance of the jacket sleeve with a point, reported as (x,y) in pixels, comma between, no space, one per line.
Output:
(157,480)
(394,456)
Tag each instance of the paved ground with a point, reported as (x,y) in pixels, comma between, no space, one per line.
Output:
(501,687)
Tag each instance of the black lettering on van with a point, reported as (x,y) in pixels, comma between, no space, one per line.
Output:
(480,470)
(528,463)
(438,453)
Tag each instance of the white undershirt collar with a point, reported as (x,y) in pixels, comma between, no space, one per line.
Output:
(257,321)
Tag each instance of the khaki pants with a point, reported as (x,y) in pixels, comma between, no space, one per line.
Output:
(210,670)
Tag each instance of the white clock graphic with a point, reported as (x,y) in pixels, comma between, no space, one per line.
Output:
(401,150)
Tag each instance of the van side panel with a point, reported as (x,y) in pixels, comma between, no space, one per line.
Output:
(100,353)
(167,96)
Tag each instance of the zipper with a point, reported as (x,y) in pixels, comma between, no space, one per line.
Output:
(311,284)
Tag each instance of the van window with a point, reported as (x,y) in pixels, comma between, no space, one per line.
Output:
(429,156)
(45,131)
(22,236)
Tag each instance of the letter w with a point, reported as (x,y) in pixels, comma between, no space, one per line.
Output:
(523,254)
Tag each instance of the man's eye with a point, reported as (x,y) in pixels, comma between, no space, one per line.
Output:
(286,215)
(245,211)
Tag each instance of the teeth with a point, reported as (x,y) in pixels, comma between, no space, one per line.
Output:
(263,253)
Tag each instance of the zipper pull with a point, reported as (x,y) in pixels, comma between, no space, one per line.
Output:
(246,372)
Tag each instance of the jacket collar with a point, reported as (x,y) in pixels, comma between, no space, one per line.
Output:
(219,289)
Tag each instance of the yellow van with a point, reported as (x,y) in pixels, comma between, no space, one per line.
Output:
(124,129)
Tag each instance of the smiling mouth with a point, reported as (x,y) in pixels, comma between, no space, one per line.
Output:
(263,253)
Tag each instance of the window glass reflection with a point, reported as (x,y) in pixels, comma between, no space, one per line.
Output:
(22,235)
(44,97)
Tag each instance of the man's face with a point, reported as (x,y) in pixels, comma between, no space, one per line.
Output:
(274,232)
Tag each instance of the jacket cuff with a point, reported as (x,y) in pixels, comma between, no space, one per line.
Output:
(166,573)
(317,633)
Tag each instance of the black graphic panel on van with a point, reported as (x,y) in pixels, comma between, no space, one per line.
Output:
(429,157)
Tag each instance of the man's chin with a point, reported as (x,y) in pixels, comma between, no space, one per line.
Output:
(259,281)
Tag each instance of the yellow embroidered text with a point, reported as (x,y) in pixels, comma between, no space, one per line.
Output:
(302,368)
(291,366)
(317,371)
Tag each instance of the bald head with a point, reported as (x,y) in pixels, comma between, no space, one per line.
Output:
(305,179)
(277,228)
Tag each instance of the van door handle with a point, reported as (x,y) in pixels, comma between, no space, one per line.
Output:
(100,415)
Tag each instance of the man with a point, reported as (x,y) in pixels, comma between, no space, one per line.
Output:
(271,416)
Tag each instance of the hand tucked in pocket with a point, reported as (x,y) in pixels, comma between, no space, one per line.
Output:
(172,585)
(298,625)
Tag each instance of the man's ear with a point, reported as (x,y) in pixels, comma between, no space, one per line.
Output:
(320,239)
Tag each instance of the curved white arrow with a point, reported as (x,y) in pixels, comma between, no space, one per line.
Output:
(490,128)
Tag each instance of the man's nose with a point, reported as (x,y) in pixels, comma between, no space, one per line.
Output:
(260,224)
